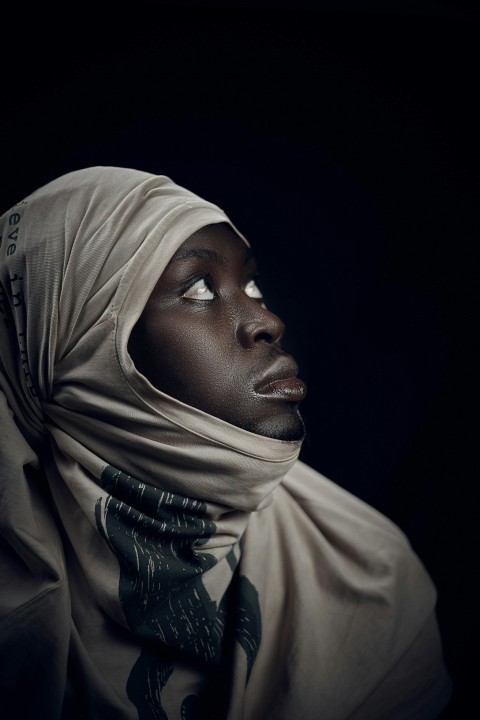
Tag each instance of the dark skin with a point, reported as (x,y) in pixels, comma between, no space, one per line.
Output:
(206,338)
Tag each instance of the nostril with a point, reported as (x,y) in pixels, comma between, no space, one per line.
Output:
(263,336)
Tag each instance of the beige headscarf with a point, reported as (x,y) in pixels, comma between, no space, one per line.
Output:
(158,562)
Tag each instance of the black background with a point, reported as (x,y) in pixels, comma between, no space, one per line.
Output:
(342,139)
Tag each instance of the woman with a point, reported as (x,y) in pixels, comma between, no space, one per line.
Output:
(164,552)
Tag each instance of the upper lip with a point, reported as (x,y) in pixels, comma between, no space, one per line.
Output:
(282,368)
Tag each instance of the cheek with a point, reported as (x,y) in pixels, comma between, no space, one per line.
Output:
(192,361)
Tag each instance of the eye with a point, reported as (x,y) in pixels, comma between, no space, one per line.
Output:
(253,291)
(200,290)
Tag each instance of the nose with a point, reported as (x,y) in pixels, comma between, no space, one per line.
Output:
(260,325)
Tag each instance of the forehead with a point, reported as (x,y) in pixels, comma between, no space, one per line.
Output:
(218,242)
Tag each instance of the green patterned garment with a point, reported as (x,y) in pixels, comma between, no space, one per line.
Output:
(156,537)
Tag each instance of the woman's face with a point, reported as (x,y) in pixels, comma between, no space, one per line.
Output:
(206,338)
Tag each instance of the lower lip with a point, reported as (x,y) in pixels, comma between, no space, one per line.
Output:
(291,389)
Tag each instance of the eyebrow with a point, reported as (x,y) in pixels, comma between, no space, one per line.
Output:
(202,253)
(207,254)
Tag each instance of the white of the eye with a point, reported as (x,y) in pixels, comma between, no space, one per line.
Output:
(199,291)
(252,290)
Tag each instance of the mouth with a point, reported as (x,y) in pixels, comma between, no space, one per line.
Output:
(281,381)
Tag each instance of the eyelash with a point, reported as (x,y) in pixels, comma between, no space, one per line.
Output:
(192,281)
(207,278)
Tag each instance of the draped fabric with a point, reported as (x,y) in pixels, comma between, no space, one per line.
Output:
(156,561)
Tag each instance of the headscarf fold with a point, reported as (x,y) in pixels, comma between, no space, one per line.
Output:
(158,561)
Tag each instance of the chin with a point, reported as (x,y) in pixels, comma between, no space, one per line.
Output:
(289,427)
